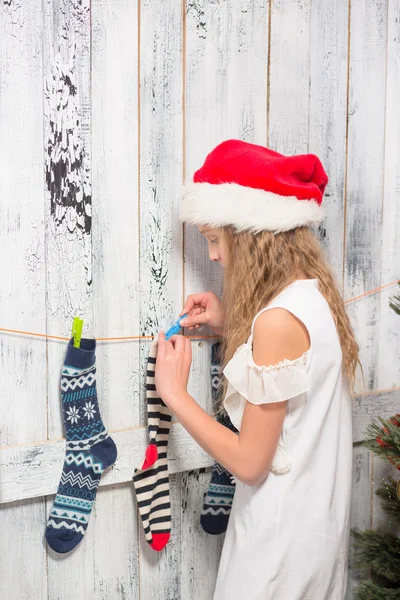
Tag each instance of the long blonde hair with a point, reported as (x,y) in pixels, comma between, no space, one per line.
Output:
(260,266)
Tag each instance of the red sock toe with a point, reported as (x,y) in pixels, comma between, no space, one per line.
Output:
(151,456)
(160,540)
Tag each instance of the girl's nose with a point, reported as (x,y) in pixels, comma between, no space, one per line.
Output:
(213,255)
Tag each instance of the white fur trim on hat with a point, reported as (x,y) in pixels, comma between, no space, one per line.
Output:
(245,208)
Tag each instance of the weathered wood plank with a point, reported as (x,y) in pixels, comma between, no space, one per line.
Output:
(115,238)
(365,408)
(360,515)
(22,557)
(34,470)
(161,157)
(22,290)
(200,550)
(289,76)
(68,213)
(327,116)
(66,38)
(115,206)
(115,527)
(366,137)
(388,374)
(160,166)
(226,97)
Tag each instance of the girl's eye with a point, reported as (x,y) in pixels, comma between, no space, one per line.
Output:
(214,241)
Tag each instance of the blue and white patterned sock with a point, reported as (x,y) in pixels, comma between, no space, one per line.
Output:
(221,490)
(89,451)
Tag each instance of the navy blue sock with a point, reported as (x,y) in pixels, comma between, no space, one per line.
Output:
(89,451)
(221,490)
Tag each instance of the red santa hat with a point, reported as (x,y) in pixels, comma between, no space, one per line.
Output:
(254,188)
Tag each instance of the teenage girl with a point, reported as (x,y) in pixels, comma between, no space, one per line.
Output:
(290,357)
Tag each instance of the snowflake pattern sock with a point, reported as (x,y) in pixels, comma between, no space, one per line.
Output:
(151,481)
(221,490)
(89,450)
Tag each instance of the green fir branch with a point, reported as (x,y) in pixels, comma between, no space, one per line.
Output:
(370,591)
(394,303)
(389,435)
(390,502)
(380,551)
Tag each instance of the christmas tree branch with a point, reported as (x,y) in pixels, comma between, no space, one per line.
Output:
(376,549)
(390,502)
(383,438)
(394,303)
(369,591)
(380,551)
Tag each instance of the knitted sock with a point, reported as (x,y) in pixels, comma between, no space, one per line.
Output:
(218,499)
(151,481)
(89,451)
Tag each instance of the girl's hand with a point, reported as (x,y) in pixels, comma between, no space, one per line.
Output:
(172,366)
(203,308)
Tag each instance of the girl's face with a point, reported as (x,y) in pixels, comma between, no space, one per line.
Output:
(216,249)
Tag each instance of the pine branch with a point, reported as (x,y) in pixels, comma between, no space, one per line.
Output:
(390,502)
(394,303)
(370,591)
(380,551)
(383,438)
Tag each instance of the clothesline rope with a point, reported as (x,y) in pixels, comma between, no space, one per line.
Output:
(150,337)
(101,339)
(56,337)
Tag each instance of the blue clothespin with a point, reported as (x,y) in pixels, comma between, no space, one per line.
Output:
(174,329)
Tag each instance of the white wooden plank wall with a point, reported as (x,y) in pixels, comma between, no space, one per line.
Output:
(115,267)
(106,107)
(23,396)
(329,30)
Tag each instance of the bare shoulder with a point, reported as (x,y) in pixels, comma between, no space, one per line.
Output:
(278,334)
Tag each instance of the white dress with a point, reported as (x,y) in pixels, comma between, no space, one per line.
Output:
(287,538)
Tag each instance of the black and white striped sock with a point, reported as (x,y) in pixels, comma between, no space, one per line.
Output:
(151,482)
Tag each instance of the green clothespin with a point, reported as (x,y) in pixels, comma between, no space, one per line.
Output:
(77,327)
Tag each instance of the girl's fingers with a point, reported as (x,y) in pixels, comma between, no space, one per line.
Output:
(188,351)
(191,301)
(194,312)
(193,327)
(161,344)
(189,304)
(199,319)
(179,343)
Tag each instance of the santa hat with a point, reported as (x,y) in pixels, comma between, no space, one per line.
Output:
(254,188)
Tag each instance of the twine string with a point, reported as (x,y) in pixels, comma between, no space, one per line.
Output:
(150,337)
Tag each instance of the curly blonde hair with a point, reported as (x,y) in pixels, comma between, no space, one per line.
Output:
(260,266)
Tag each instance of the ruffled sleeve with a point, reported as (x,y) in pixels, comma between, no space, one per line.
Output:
(262,385)
(266,384)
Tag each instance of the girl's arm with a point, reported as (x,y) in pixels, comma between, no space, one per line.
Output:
(248,456)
